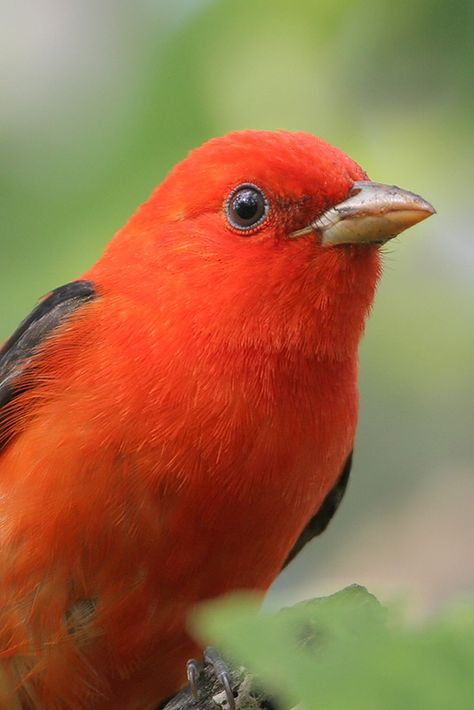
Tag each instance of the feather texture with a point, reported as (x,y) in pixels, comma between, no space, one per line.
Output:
(170,441)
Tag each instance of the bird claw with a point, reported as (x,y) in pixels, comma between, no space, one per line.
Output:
(193,671)
(222,673)
(218,668)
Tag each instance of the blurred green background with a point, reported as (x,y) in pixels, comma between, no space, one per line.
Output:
(99,100)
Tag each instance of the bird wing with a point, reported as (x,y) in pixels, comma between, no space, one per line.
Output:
(18,353)
(324,514)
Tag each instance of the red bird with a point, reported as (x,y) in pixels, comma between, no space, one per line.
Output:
(174,424)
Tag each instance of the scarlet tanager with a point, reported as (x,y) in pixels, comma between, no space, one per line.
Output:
(179,421)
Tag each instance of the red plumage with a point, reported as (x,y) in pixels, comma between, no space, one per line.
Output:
(174,435)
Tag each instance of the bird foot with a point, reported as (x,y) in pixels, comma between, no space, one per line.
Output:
(216,669)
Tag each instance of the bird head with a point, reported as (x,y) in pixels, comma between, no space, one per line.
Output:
(269,238)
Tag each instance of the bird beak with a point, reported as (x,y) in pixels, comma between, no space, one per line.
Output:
(372,214)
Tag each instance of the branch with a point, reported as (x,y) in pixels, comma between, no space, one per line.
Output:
(211,695)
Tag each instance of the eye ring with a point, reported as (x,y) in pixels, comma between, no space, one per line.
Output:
(246,208)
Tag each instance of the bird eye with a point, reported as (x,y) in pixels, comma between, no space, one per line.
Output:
(247,207)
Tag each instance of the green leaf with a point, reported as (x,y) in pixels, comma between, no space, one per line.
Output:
(346,651)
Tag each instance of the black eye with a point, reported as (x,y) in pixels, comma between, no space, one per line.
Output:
(247,207)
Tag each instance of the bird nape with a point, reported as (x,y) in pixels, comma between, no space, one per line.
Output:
(178,422)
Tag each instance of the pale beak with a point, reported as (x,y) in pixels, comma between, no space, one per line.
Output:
(372,214)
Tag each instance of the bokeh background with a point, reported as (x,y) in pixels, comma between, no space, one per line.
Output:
(99,100)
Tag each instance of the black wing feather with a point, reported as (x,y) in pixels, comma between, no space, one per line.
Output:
(48,315)
(322,518)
